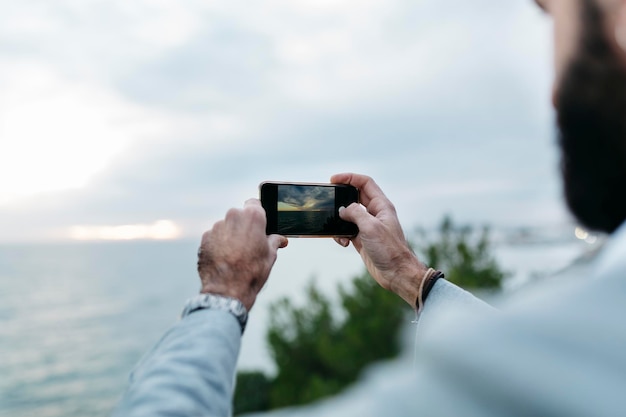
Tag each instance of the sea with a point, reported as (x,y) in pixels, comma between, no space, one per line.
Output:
(76,317)
(304,222)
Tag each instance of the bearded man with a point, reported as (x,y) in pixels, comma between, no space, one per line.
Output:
(558,350)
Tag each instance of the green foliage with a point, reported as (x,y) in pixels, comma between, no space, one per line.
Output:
(463,254)
(321,347)
(317,354)
(252,392)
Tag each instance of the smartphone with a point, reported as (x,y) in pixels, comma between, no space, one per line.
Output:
(307,210)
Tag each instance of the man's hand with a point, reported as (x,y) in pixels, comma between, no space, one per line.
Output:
(381,242)
(236,256)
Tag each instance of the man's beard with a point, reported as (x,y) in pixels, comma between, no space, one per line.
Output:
(591,107)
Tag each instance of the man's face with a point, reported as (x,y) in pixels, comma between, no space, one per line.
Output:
(590,100)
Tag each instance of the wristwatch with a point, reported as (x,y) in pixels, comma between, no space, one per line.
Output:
(218,302)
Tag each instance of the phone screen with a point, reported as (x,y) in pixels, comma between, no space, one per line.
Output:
(301,210)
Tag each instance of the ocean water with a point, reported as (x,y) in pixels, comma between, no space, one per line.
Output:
(305,222)
(75,318)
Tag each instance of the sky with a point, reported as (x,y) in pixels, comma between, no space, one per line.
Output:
(124,119)
(310,198)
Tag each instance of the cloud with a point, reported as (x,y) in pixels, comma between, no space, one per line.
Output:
(57,134)
(306,197)
(193,104)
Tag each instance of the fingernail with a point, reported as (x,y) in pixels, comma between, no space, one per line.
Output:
(342,208)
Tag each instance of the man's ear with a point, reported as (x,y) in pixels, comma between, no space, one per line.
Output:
(619,26)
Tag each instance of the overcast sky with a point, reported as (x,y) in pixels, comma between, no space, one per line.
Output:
(306,197)
(127,112)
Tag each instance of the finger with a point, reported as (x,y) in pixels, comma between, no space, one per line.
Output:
(205,236)
(252,202)
(278,241)
(343,241)
(380,204)
(257,213)
(232,214)
(356,214)
(368,189)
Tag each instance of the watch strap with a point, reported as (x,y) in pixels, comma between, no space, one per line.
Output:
(217,302)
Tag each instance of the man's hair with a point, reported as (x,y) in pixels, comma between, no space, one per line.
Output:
(591,107)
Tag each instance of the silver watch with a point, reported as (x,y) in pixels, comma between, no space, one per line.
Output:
(218,302)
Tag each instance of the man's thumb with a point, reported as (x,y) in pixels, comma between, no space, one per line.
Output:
(278,241)
(354,213)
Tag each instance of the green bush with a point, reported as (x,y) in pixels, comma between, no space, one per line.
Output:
(321,348)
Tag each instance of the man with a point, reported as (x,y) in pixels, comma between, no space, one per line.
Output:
(556,351)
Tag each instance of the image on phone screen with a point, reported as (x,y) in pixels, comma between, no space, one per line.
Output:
(307,209)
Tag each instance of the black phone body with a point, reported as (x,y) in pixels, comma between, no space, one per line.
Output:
(307,209)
